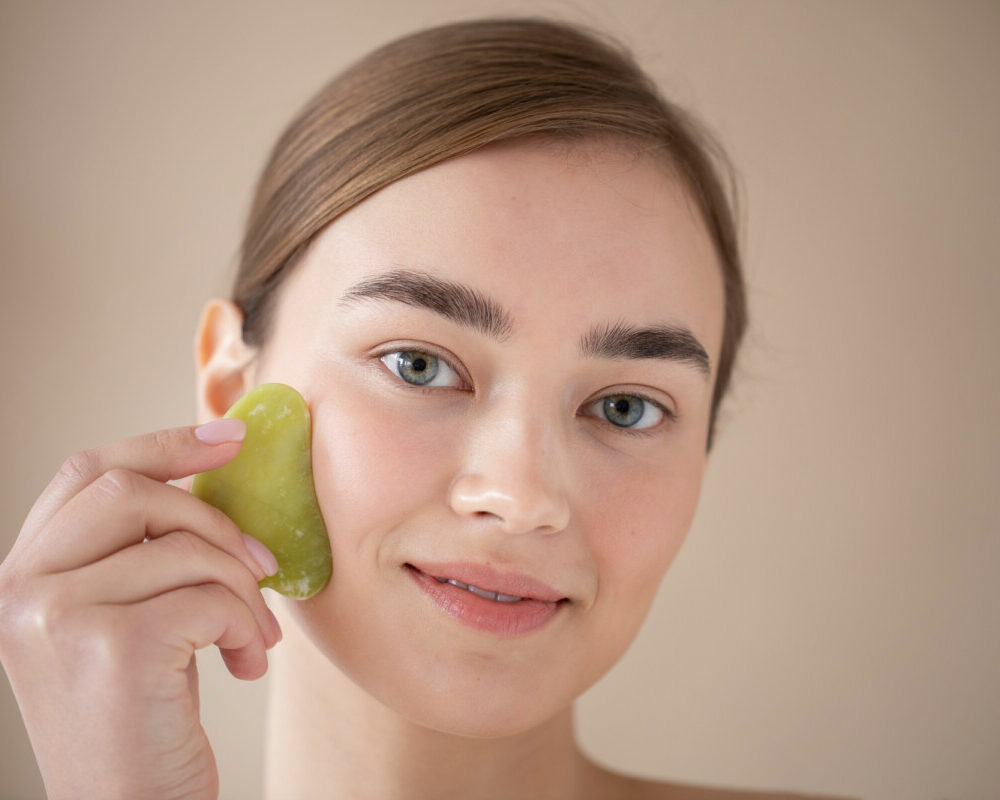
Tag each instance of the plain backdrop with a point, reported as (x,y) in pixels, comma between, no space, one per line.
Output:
(833,622)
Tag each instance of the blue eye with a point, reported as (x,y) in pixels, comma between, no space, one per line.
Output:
(421,369)
(628,411)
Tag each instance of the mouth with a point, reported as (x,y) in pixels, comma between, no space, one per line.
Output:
(481,597)
(499,597)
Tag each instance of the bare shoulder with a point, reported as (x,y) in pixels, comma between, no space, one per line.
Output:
(624,787)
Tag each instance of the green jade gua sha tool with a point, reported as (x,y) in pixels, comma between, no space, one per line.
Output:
(268,490)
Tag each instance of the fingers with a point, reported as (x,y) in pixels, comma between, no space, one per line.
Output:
(162,456)
(116,580)
(160,566)
(194,617)
(120,509)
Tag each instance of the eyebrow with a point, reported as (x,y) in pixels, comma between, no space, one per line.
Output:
(455,301)
(471,308)
(669,342)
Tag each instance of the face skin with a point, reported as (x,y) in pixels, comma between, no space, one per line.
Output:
(508,461)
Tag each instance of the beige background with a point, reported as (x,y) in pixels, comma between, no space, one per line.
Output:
(832,624)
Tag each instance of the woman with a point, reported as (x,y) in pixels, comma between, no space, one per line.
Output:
(503,273)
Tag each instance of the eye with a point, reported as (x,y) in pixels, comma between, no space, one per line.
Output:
(628,411)
(419,368)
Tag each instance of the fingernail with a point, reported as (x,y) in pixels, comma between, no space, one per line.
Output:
(219,431)
(264,557)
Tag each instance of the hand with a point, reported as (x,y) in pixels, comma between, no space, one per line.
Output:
(115,580)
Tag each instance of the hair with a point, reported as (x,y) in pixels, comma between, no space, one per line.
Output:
(446,91)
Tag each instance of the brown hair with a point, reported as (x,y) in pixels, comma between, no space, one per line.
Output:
(446,91)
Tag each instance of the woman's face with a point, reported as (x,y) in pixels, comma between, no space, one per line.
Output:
(522,407)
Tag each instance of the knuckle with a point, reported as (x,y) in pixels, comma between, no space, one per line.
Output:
(80,467)
(216,592)
(117,483)
(52,613)
(44,626)
(100,635)
(164,441)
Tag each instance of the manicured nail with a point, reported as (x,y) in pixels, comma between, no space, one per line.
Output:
(219,431)
(264,557)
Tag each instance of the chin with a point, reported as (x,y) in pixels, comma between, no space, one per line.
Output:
(472,695)
(467,692)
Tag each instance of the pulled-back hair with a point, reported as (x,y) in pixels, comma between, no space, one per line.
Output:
(445,91)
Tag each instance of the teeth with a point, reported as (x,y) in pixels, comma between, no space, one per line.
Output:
(486,593)
(483,593)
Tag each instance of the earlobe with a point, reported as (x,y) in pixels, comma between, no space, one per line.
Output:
(224,362)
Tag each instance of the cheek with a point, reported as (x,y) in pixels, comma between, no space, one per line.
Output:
(371,468)
(640,524)
(376,470)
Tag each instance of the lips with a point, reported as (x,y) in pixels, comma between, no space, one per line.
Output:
(504,604)
(485,593)
(491,580)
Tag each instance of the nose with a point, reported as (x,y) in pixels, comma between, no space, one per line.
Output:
(514,472)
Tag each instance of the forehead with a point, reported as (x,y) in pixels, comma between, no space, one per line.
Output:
(561,235)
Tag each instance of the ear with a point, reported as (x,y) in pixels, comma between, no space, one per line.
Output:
(225,364)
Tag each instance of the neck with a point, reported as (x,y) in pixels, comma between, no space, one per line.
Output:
(327,738)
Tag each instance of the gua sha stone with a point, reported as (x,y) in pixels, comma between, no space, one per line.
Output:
(268,490)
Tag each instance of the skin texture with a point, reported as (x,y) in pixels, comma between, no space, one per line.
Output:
(98,628)
(119,575)
(509,467)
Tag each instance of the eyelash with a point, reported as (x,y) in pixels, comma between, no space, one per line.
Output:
(668,415)
(430,351)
